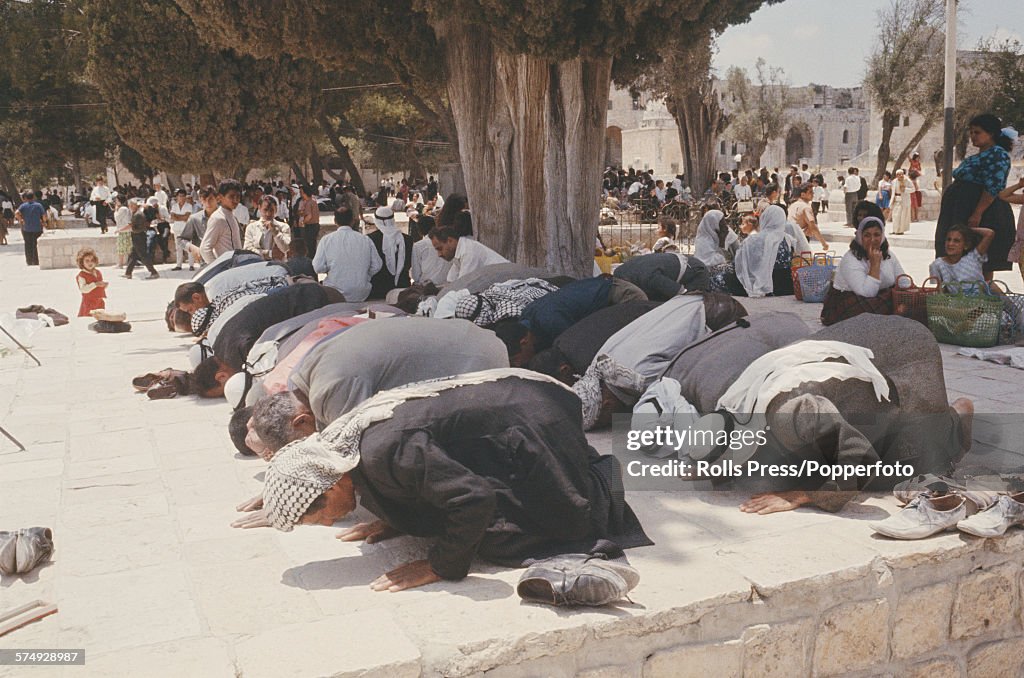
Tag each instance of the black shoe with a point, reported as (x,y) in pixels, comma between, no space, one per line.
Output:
(152,276)
(176,268)
(577,579)
(127,275)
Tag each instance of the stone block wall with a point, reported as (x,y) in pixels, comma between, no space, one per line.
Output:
(57,249)
(950,614)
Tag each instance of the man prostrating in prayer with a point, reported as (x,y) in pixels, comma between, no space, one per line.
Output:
(492,464)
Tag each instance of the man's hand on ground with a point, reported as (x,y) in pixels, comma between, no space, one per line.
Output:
(373,532)
(774,502)
(254,504)
(410,575)
(254,519)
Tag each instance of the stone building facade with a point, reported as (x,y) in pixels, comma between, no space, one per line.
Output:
(828,128)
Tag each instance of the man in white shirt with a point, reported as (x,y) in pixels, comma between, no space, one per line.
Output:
(850,187)
(160,194)
(427,266)
(266,235)
(348,257)
(466,254)
(742,191)
(222,232)
(242,215)
(180,212)
(805,174)
(98,198)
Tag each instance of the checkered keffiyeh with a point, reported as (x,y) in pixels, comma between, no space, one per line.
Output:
(303,470)
(258,286)
(502,300)
(299,474)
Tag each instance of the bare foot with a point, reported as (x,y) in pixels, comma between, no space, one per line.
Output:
(774,502)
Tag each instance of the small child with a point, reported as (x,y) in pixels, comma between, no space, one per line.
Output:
(90,282)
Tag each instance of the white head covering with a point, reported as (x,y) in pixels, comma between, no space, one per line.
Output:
(864,223)
(393,245)
(756,258)
(706,248)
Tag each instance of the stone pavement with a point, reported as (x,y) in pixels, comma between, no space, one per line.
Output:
(152,581)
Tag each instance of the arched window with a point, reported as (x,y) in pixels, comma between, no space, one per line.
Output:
(722,151)
(906,121)
(846,136)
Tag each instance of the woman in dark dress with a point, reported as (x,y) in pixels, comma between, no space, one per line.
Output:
(972,199)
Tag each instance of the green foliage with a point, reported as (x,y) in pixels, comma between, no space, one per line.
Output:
(392,135)
(1004,65)
(188,107)
(47,127)
(757,112)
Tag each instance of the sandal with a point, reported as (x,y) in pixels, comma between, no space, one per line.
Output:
(177,384)
(143,382)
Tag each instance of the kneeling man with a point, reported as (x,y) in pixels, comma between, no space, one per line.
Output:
(507,482)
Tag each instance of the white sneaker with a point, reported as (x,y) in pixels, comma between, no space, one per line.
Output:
(996,519)
(922,518)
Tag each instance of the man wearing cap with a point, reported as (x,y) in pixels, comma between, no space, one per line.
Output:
(466,254)
(395,251)
(437,460)
(348,257)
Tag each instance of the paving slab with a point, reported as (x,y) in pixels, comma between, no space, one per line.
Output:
(151,579)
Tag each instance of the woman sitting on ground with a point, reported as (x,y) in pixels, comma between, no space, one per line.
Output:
(864,280)
(763,261)
(966,254)
(666,241)
(722,275)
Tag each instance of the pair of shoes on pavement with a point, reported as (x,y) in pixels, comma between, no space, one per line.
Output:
(925,516)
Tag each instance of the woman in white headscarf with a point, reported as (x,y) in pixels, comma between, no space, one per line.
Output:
(763,262)
(395,250)
(866,275)
(710,246)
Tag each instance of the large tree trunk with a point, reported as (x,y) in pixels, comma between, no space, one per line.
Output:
(174,181)
(7,183)
(531,134)
(316,165)
(698,121)
(890,119)
(926,127)
(300,174)
(354,177)
(752,158)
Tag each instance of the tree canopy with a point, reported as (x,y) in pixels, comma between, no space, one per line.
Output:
(188,107)
(525,85)
(756,111)
(51,118)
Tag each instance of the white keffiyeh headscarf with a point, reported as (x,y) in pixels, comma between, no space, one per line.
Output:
(393,245)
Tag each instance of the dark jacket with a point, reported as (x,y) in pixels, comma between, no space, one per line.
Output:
(508,482)
(580,343)
(556,312)
(384,281)
(240,333)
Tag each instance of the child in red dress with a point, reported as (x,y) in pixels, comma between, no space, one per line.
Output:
(90,282)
